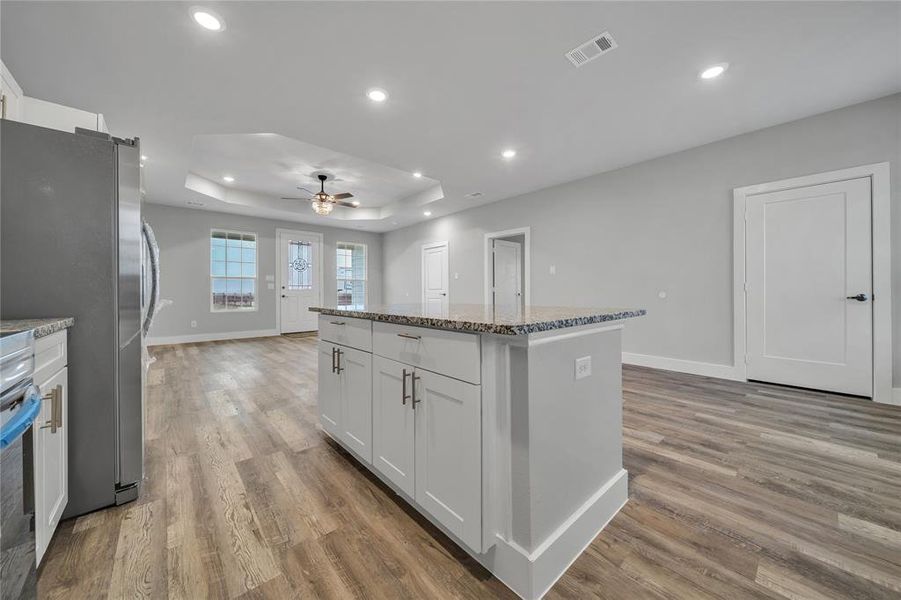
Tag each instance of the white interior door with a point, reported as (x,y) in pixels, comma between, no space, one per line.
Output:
(507,274)
(809,287)
(435,278)
(300,280)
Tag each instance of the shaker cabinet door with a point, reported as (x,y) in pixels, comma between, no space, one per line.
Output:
(449,454)
(329,391)
(51,470)
(392,422)
(356,400)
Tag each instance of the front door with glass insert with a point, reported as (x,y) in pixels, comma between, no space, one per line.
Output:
(299,280)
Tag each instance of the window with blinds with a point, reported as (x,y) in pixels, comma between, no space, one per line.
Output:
(351,275)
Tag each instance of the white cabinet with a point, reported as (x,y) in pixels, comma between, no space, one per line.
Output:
(354,369)
(448,453)
(10,96)
(412,410)
(57,116)
(427,441)
(329,391)
(51,472)
(392,422)
(345,396)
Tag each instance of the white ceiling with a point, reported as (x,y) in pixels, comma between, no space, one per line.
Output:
(466,80)
(266,167)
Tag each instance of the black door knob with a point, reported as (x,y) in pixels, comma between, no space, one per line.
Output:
(858,297)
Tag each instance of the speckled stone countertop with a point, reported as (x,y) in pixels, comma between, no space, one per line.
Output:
(480,318)
(41,327)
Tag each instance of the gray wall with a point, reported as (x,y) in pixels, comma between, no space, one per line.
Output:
(619,238)
(183,237)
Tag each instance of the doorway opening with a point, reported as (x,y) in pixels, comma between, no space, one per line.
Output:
(508,269)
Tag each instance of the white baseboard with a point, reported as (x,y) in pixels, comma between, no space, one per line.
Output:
(682,366)
(209,337)
(896,397)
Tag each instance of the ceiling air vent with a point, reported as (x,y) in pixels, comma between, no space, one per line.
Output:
(592,49)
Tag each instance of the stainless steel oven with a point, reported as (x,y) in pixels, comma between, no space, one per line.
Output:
(20,403)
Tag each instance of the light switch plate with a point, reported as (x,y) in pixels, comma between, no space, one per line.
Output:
(583,367)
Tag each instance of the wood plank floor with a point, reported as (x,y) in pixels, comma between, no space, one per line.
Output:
(736,491)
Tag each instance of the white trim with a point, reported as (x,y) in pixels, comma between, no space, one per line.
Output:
(679,365)
(422,267)
(896,397)
(278,272)
(527,262)
(882,272)
(208,337)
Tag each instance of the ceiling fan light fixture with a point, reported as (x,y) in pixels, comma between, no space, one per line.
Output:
(322,207)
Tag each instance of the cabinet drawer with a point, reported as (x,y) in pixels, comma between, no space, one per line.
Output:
(446,352)
(49,356)
(347,331)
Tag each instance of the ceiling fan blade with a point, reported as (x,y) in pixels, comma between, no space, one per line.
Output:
(289,198)
(343,196)
(347,204)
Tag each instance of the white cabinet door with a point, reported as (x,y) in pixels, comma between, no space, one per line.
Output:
(355,383)
(51,472)
(329,390)
(449,453)
(392,422)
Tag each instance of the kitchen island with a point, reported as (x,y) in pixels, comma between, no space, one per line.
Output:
(503,428)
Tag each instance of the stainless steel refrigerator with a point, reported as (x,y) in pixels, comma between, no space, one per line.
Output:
(71,245)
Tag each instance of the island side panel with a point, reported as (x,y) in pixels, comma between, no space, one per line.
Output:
(575,428)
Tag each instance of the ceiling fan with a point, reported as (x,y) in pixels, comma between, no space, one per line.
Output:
(323,203)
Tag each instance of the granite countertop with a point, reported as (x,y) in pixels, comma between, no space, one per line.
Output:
(41,327)
(481,318)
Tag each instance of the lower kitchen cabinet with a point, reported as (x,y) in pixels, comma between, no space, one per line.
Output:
(392,422)
(345,396)
(449,453)
(329,391)
(427,441)
(51,469)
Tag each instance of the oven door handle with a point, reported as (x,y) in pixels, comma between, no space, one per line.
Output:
(23,419)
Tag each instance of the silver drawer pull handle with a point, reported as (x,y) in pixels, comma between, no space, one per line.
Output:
(56,409)
(337,323)
(409,337)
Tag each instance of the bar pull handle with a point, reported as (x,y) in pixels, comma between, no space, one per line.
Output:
(403,377)
(413,379)
(337,323)
(56,409)
(409,336)
(339,368)
(334,351)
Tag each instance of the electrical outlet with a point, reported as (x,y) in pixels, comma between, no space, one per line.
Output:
(456,276)
(193,324)
(553,270)
(583,367)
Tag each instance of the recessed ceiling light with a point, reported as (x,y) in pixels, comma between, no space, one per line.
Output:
(143,157)
(377,95)
(356,203)
(428,213)
(228,179)
(208,19)
(714,71)
(509,153)
(417,174)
